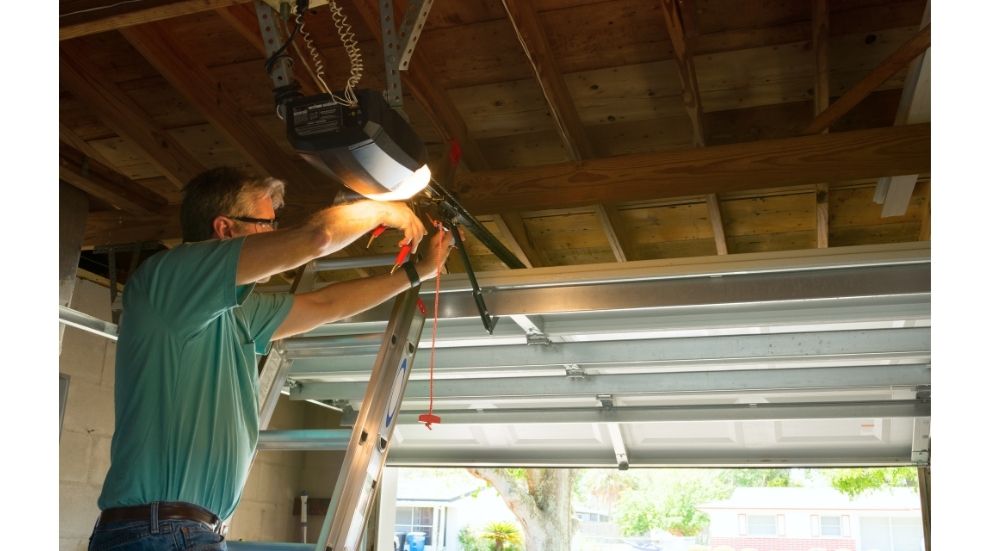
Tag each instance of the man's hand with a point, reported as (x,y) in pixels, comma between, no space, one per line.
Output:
(345,223)
(436,253)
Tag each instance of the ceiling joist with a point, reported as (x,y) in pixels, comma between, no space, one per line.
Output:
(124,117)
(101,181)
(725,168)
(819,40)
(108,15)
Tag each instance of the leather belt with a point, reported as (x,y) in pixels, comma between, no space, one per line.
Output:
(166,511)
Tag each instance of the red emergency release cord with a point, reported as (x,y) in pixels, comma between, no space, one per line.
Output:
(429,418)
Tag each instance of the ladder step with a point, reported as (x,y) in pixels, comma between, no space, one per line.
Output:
(304,439)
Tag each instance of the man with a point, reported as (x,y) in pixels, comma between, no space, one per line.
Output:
(191,329)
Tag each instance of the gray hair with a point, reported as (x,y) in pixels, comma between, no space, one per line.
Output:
(223,191)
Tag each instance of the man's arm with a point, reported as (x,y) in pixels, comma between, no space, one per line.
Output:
(328,231)
(347,298)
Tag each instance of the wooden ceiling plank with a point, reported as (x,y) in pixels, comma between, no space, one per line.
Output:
(101,181)
(201,89)
(437,105)
(244,19)
(718,228)
(68,136)
(819,39)
(890,66)
(118,15)
(510,240)
(533,39)
(125,117)
(608,221)
(517,229)
(717,169)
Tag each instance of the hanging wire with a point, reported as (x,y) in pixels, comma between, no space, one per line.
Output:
(314,54)
(350,43)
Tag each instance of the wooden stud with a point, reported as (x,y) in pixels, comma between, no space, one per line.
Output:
(108,16)
(715,214)
(717,169)
(819,39)
(125,117)
(191,78)
(517,229)
(887,68)
(103,182)
(608,223)
(685,67)
(526,22)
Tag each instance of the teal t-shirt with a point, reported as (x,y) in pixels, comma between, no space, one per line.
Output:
(186,389)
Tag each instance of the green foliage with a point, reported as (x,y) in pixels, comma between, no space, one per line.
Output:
(854,482)
(668,501)
(469,541)
(504,536)
(757,478)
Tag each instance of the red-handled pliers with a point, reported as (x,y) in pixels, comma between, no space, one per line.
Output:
(403,252)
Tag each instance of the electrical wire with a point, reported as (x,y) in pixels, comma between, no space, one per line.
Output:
(350,43)
(314,54)
(99,8)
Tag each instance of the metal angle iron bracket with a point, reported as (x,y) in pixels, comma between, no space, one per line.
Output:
(412,26)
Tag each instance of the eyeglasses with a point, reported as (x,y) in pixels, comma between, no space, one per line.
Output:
(270,222)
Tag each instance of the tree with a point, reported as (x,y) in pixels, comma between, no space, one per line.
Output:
(541,501)
(501,533)
(856,481)
(757,478)
(668,500)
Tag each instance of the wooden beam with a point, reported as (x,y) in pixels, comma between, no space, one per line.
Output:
(108,15)
(517,229)
(819,39)
(194,81)
(529,31)
(123,116)
(101,181)
(608,222)
(118,227)
(510,240)
(726,168)
(66,135)
(421,83)
(718,228)
(673,15)
(685,67)
(890,66)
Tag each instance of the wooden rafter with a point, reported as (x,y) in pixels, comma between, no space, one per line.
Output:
(510,240)
(819,39)
(715,169)
(101,181)
(529,31)
(677,29)
(889,67)
(108,15)
(124,117)
(517,229)
(437,105)
(118,227)
(608,220)
(192,79)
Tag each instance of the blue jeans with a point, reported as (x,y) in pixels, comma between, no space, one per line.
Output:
(165,535)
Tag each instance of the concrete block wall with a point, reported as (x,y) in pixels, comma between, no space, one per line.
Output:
(275,481)
(84,445)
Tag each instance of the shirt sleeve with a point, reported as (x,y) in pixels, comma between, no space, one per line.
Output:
(264,313)
(192,284)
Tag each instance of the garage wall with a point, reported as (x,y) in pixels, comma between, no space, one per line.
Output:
(265,511)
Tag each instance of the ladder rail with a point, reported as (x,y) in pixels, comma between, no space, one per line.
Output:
(358,480)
